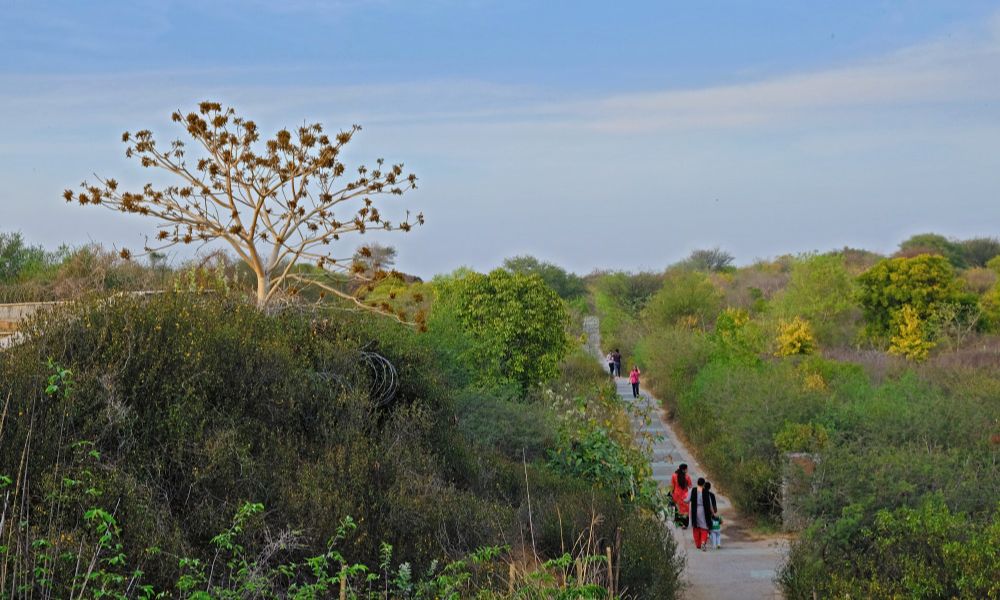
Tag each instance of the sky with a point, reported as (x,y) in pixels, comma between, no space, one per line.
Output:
(596,135)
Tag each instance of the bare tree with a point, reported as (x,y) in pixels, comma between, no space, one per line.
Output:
(714,259)
(280,204)
(374,258)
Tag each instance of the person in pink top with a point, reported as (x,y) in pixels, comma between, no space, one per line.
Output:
(633,378)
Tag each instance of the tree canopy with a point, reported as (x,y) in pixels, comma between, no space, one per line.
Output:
(280,204)
(923,283)
(515,325)
(567,285)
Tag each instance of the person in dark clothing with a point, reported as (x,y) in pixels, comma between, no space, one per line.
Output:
(702,504)
(618,362)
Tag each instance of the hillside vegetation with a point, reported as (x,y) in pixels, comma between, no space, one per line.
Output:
(883,372)
(187,444)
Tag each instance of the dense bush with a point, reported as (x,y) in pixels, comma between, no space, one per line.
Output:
(515,326)
(197,405)
(924,552)
(686,295)
(821,291)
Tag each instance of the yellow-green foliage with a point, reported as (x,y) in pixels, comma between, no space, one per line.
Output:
(822,291)
(737,335)
(732,319)
(990,305)
(910,340)
(994,264)
(795,337)
(814,382)
(801,437)
(923,283)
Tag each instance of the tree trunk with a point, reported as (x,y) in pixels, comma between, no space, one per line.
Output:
(263,287)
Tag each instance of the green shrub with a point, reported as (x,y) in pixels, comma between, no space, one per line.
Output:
(821,291)
(686,295)
(515,326)
(671,358)
(506,424)
(923,552)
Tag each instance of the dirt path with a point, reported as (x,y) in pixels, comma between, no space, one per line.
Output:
(745,566)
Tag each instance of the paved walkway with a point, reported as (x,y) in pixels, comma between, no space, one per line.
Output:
(744,568)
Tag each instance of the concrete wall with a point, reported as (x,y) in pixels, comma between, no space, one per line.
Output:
(11,314)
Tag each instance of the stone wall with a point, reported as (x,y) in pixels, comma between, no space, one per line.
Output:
(796,482)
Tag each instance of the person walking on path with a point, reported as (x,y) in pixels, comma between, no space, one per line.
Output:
(633,378)
(618,362)
(611,363)
(701,514)
(681,483)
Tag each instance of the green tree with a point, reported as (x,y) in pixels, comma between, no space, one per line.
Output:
(923,282)
(630,291)
(568,285)
(738,337)
(688,295)
(933,243)
(17,258)
(515,325)
(979,251)
(822,291)
(278,204)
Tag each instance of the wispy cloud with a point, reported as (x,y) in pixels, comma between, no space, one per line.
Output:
(953,71)
(929,75)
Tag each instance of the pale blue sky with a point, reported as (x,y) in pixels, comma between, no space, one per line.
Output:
(594,134)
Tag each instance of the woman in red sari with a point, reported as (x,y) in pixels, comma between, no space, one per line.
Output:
(681,491)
